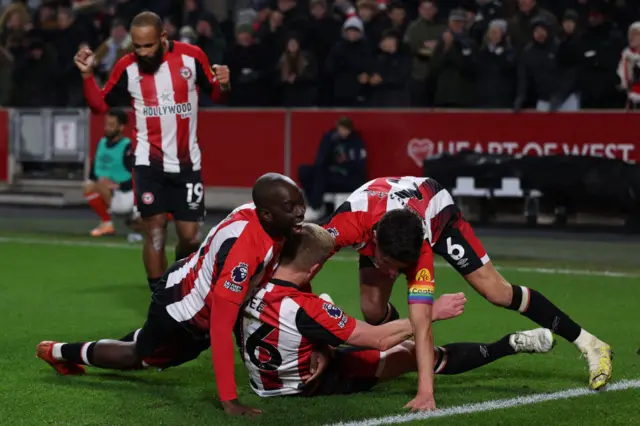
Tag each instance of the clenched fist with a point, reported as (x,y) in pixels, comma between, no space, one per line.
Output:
(85,60)
(222,74)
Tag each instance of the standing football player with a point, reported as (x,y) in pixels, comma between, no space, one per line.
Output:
(397,224)
(162,78)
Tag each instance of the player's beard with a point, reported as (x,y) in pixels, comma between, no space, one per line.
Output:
(111,136)
(150,64)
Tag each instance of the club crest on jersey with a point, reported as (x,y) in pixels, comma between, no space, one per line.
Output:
(239,273)
(423,275)
(332,310)
(147,198)
(185,72)
(334,232)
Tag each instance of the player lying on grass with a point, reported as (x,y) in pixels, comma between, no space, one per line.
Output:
(397,224)
(198,301)
(284,321)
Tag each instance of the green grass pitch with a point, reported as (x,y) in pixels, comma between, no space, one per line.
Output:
(75,292)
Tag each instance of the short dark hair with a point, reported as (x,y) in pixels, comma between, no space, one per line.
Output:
(345,122)
(120,115)
(400,235)
(147,19)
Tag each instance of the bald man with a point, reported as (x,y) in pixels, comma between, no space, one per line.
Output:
(162,79)
(198,299)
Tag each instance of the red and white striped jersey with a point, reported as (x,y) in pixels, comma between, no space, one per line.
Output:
(353,223)
(233,259)
(165,105)
(279,327)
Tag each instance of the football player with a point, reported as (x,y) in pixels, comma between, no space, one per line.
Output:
(397,224)
(198,301)
(284,321)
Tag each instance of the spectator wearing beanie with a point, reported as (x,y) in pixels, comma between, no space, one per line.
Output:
(246,63)
(497,69)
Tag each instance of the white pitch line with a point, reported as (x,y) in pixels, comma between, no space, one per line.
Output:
(498,404)
(339,258)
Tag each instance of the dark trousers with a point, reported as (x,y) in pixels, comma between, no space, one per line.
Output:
(316,182)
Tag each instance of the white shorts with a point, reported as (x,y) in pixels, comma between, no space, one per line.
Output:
(121,202)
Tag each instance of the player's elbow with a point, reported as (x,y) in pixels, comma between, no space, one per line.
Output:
(384,344)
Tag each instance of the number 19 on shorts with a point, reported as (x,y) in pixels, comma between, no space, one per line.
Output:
(195,193)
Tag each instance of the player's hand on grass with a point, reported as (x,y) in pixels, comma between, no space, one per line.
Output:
(422,403)
(234,408)
(320,358)
(85,60)
(448,306)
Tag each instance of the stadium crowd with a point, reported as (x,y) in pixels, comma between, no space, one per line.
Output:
(513,54)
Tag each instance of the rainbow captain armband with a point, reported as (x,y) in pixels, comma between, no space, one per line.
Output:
(421,293)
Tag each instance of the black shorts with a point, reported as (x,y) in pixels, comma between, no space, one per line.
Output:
(181,194)
(164,342)
(352,370)
(460,247)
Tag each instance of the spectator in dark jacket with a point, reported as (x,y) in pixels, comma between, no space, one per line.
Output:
(497,69)
(600,46)
(35,77)
(298,75)
(390,74)
(520,25)
(322,33)
(340,166)
(349,62)
(247,67)
(374,20)
(422,38)
(550,77)
(454,65)
(398,17)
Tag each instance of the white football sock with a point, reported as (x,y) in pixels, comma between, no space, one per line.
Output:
(57,351)
(584,339)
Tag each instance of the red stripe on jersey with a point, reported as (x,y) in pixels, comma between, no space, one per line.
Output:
(154,128)
(180,96)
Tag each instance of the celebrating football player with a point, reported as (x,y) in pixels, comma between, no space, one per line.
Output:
(397,224)
(200,297)
(284,321)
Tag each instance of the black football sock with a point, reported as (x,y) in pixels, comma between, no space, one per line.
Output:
(131,337)
(153,283)
(80,353)
(391,314)
(457,358)
(540,310)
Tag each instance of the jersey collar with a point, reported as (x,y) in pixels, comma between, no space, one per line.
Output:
(283,283)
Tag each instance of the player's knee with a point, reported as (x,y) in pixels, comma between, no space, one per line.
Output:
(500,295)
(156,237)
(88,186)
(491,285)
(373,310)
(190,236)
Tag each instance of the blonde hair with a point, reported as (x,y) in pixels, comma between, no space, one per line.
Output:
(312,247)
(635,27)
